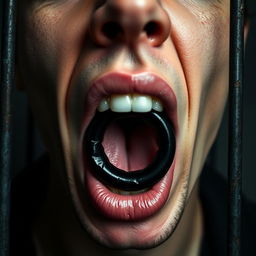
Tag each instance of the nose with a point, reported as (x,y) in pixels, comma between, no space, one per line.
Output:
(130,22)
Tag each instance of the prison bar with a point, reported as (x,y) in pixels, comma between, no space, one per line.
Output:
(7,80)
(235,125)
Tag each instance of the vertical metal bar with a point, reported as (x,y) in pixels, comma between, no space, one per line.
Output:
(7,79)
(30,154)
(235,124)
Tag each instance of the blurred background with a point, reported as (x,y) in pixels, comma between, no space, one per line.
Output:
(27,145)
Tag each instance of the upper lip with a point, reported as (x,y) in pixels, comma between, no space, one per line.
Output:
(145,83)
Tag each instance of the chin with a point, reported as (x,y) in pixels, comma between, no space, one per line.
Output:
(143,234)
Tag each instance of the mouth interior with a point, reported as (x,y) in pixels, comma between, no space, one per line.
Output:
(131,143)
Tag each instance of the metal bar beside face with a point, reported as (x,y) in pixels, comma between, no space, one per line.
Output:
(7,80)
(235,124)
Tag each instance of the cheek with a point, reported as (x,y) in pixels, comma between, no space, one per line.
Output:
(213,91)
(203,42)
(37,49)
(49,48)
(216,69)
(204,49)
(201,39)
(51,33)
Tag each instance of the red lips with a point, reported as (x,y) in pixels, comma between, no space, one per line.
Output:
(128,207)
(136,206)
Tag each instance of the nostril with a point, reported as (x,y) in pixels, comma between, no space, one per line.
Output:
(153,29)
(125,21)
(111,30)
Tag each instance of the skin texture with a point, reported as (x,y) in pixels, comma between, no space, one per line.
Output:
(62,50)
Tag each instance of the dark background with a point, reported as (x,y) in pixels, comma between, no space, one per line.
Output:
(27,146)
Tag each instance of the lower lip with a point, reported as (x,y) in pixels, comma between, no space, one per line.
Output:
(128,207)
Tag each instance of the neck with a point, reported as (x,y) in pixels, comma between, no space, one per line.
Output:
(58,232)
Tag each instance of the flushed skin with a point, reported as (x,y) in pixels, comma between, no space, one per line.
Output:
(64,48)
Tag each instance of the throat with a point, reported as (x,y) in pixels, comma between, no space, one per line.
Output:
(130,144)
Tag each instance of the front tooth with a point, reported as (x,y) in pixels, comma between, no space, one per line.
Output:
(103,106)
(157,105)
(121,103)
(141,103)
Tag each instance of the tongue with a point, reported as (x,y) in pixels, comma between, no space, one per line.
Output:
(130,145)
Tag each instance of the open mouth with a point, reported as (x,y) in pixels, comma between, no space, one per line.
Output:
(129,149)
(132,139)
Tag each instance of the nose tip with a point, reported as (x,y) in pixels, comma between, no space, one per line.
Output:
(130,21)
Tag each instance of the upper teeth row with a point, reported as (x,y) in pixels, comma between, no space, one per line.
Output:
(130,103)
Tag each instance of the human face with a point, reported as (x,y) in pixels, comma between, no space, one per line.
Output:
(70,59)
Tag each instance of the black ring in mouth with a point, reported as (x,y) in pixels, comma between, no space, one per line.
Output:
(136,180)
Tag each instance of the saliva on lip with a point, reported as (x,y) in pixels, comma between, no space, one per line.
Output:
(130,103)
